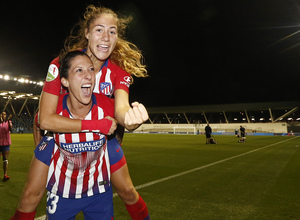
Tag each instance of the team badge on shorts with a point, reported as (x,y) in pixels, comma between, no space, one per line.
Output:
(43,145)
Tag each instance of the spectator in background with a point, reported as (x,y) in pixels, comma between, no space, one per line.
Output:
(236,132)
(5,141)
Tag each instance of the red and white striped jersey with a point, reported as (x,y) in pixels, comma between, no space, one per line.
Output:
(80,164)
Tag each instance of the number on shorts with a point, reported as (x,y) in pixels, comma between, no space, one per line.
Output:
(53,205)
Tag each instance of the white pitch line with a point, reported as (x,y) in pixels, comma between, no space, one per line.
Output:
(193,170)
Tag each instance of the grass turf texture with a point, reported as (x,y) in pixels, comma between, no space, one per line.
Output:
(262,184)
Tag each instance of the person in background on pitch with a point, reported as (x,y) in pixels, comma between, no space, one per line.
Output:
(5,141)
(243,133)
(208,132)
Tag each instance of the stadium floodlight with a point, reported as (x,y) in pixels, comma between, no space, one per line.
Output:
(1,76)
(21,80)
(6,77)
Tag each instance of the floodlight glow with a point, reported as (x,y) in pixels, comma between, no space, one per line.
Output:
(6,77)
(1,76)
(15,79)
(21,80)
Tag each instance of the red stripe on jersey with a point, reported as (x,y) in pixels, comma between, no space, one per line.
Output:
(73,183)
(105,174)
(82,137)
(96,174)
(62,177)
(86,178)
(52,179)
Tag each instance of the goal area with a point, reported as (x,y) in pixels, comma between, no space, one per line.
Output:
(184,130)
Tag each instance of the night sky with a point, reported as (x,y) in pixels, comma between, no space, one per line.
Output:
(197,52)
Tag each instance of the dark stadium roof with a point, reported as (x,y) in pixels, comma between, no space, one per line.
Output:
(226,107)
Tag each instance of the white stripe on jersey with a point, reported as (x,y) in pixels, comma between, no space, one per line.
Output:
(75,138)
(68,181)
(97,82)
(107,76)
(79,184)
(91,179)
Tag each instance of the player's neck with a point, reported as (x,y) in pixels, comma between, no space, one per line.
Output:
(96,62)
(77,109)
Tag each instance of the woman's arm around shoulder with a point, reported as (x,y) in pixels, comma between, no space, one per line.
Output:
(50,120)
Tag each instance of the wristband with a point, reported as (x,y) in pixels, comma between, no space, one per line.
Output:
(103,126)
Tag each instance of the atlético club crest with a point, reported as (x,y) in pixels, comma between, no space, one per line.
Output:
(43,146)
(105,88)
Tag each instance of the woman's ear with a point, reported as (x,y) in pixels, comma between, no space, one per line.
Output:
(64,82)
(86,31)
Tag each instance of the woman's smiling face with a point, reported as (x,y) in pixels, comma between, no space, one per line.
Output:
(102,36)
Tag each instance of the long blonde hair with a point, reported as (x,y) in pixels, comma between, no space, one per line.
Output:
(125,54)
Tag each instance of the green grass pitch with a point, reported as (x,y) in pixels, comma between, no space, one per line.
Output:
(180,177)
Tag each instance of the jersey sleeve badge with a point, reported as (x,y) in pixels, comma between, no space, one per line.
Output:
(52,73)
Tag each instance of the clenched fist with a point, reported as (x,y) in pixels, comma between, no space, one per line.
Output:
(135,116)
